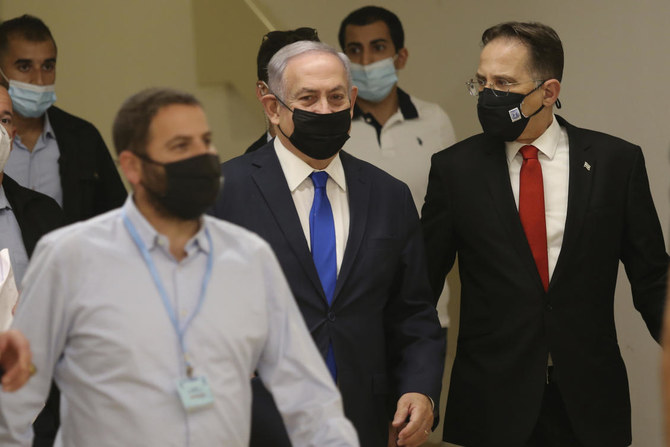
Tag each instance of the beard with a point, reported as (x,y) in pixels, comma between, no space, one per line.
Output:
(154,182)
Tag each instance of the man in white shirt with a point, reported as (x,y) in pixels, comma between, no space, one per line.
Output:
(540,213)
(151,317)
(391,129)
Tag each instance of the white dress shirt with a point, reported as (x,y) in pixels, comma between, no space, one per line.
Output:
(297,174)
(554,157)
(96,322)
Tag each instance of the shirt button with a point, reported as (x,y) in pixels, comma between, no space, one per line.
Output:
(549,307)
(331,316)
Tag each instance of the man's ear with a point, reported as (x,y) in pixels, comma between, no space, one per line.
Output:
(551,88)
(131,165)
(353,95)
(401,58)
(271,107)
(261,89)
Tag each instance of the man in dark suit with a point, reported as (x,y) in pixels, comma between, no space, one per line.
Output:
(35,215)
(540,213)
(271,43)
(348,239)
(55,153)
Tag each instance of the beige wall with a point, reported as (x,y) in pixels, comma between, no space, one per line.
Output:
(615,81)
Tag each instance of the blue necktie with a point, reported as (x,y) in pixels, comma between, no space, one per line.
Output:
(322,238)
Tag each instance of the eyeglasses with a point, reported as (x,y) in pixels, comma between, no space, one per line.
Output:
(500,87)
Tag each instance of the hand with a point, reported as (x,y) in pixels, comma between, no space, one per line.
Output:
(418,408)
(393,436)
(15,360)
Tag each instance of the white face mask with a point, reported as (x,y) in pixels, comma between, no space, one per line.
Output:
(5,147)
(30,100)
(375,80)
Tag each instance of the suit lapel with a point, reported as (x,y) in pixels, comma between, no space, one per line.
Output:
(270,180)
(358,191)
(582,169)
(497,172)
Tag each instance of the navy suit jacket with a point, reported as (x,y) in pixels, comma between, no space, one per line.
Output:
(382,322)
(508,323)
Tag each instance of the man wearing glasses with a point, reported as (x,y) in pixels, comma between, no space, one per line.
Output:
(540,213)
(273,42)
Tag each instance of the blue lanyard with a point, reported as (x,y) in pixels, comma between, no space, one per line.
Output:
(180,330)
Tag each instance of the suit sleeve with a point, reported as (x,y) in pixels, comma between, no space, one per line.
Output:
(416,345)
(438,234)
(643,249)
(294,372)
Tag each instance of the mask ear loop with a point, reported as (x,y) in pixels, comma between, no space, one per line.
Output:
(524,98)
(263,87)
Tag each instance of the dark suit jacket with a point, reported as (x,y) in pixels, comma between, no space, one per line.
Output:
(37,214)
(382,322)
(91,184)
(262,141)
(508,323)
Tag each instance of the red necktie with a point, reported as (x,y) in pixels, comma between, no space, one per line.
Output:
(531,210)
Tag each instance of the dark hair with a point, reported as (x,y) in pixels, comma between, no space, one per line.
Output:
(25,27)
(371,14)
(544,46)
(275,41)
(131,126)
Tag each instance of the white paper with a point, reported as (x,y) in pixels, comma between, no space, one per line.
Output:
(9,294)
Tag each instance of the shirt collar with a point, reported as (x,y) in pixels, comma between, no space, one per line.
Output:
(152,239)
(48,131)
(296,170)
(546,143)
(406,107)
(4,203)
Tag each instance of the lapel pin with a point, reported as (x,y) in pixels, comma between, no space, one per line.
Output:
(587,166)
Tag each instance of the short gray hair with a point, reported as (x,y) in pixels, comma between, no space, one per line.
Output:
(280,60)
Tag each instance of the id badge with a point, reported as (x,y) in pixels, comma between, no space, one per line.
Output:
(195,393)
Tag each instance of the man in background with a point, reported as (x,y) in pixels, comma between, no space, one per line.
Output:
(25,215)
(55,153)
(391,129)
(273,42)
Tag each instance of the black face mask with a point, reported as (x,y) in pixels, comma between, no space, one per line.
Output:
(501,116)
(188,187)
(318,135)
